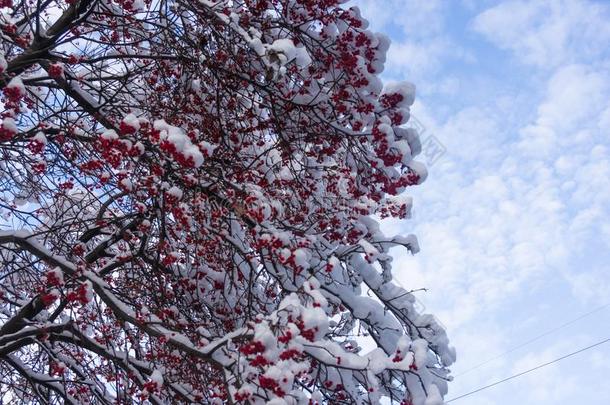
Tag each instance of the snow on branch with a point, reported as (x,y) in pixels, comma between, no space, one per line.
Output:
(192,187)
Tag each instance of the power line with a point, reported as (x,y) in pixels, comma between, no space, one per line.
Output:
(533,339)
(530,370)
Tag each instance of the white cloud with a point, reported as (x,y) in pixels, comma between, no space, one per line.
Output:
(416,57)
(551,383)
(420,47)
(413,17)
(591,284)
(548,33)
(513,219)
(503,211)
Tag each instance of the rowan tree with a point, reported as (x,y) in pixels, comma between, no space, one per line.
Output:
(188,191)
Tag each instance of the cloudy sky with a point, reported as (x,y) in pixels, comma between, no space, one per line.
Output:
(513,219)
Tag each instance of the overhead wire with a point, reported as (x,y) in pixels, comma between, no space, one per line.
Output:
(529,371)
(568,323)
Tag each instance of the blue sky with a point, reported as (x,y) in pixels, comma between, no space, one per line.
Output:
(513,219)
